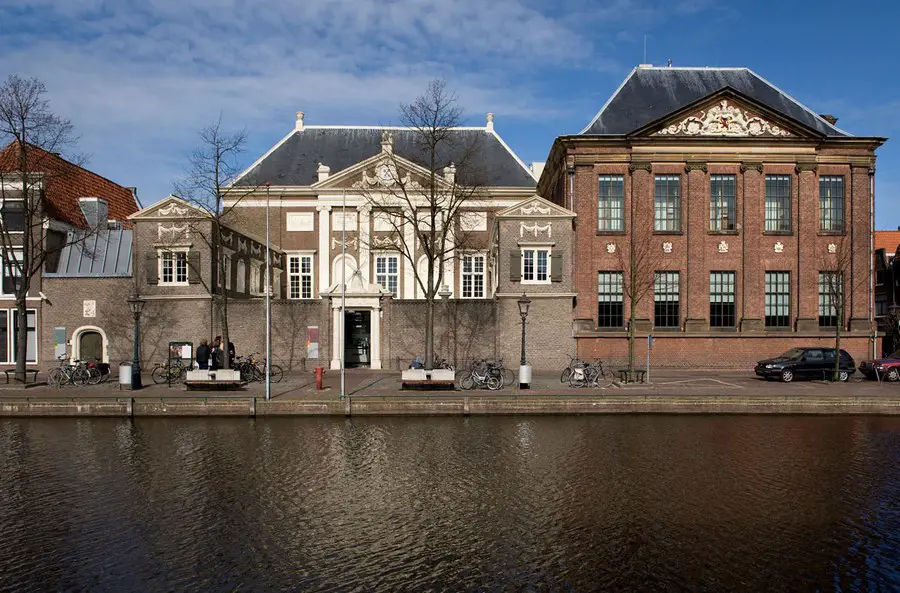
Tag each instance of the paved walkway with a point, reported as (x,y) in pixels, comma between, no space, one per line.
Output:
(365,383)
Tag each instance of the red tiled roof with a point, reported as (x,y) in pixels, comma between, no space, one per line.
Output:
(66,182)
(887,240)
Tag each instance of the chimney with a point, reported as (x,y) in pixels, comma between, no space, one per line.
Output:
(299,124)
(96,212)
(450,173)
(537,168)
(490,122)
(323,171)
(829,118)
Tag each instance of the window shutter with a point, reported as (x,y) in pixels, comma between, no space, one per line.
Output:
(194,267)
(556,267)
(151,267)
(515,265)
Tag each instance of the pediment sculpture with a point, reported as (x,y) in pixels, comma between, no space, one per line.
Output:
(724,119)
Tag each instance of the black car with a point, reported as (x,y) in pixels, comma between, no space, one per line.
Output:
(806,363)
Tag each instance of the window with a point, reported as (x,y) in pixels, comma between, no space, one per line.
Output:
(831,204)
(611,204)
(778,203)
(721,299)
(241,277)
(778,299)
(666,299)
(300,276)
(879,277)
(881,304)
(13,215)
(11,273)
(227,272)
(667,203)
(721,203)
(387,274)
(254,279)
(535,265)
(173,267)
(830,294)
(610,311)
(473,276)
(8,328)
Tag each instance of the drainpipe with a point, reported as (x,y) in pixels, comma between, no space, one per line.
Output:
(570,170)
(872,260)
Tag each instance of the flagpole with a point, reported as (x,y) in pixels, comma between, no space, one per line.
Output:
(268,304)
(343,285)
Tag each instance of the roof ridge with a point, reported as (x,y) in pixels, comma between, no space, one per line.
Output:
(608,101)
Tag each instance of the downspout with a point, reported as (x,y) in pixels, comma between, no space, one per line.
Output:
(872,261)
(570,170)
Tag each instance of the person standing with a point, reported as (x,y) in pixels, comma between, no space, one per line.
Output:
(203,354)
(217,354)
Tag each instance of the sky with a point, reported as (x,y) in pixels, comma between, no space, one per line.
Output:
(140,78)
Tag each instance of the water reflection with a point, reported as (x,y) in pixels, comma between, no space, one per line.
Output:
(585,503)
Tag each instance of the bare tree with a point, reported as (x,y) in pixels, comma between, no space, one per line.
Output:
(208,181)
(837,283)
(30,166)
(431,198)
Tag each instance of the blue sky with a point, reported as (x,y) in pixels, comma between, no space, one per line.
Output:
(138,78)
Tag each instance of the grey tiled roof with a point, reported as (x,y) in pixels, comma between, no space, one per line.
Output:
(105,253)
(296,160)
(649,94)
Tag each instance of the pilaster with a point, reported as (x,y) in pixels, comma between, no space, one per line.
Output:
(365,246)
(409,239)
(324,247)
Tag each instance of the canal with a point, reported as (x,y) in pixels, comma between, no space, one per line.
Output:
(632,503)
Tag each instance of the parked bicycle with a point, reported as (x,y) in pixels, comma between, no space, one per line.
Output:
(567,372)
(163,372)
(252,369)
(74,373)
(483,373)
(589,374)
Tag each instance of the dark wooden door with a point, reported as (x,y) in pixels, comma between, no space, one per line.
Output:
(90,347)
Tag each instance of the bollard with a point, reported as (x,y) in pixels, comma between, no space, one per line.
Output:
(320,372)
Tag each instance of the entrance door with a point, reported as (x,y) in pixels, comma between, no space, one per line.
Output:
(90,347)
(357,337)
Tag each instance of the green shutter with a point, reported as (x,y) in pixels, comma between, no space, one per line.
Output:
(515,265)
(151,268)
(194,267)
(556,267)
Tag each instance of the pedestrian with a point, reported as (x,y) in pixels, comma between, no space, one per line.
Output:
(231,353)
(217,354)
(203,354)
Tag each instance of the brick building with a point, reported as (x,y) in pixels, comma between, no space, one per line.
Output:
(887,288)
(748,215)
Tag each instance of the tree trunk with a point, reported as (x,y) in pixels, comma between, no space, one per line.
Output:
(631,337)
(21,337)
(429,333)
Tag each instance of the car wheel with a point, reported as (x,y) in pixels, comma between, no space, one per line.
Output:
(843,376)
(893,374)
(787,375)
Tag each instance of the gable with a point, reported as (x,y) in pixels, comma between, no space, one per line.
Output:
(535,207)
(383,172)
(725,117)
(171,207)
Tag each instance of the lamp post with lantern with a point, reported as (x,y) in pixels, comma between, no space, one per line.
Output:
(136,303)
(524,368)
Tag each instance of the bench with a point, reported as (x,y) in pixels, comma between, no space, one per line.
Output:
(631,376)
(12,372)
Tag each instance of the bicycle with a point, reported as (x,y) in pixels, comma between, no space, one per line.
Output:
(482,374)
(276,374)
(75,373)
(567,372)
(164,373)
(588,374)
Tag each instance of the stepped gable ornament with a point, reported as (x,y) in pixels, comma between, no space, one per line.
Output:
(535,228)
(723,119)
(610,248)
(173,208)
(667,247)
(723,247)
(778,247)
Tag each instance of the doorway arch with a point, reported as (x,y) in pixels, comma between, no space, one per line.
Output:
(90,340)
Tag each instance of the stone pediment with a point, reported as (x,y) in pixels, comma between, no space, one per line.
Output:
(170,208)
(724,118)
(380,173)
(536,207)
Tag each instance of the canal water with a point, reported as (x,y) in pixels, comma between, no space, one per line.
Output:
(630,503)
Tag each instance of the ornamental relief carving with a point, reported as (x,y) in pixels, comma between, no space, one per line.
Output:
(723,119)
(386,176)
(535,228)
(529,210)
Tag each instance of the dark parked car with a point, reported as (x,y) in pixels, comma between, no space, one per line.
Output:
(806,363)
(884,368)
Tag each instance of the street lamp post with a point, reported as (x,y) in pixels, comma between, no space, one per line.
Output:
(136,303)
(524,367)
(444,293)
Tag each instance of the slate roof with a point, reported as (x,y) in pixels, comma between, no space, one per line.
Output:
(295,160)
(650,93)
(105,253)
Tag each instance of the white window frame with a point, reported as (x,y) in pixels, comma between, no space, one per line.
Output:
(255,279)
(14,272)
(386,275)
(300,274)
(11,337)
(241,282)
(174,252)
(463,275)
(535,277)
(227,272)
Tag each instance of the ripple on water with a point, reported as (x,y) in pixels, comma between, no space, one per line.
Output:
(580,503)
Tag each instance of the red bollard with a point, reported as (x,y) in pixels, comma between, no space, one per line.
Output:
(320,372)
